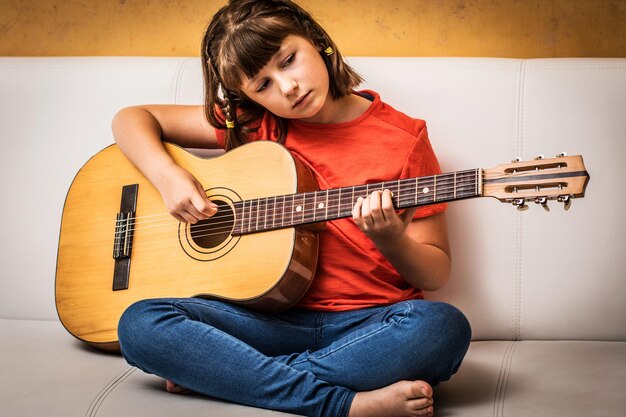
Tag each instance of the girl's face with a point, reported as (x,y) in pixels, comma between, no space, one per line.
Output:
(294,84)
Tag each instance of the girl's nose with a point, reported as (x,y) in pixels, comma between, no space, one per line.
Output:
(288,85)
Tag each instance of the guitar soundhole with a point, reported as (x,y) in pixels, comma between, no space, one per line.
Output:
(215,230)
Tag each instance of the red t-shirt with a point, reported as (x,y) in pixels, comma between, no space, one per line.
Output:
(382,144)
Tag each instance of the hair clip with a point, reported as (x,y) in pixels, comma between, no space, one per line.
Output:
(329,51)
(230,124)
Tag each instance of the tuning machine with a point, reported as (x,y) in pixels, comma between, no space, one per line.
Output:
(520,203)
(566,200)
(543,201)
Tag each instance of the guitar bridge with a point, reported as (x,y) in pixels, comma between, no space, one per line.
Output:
(123,239)
(123,235)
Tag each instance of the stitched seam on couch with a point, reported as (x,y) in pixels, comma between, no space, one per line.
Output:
(518,146)
(503,379)
(94,407)
(177,81)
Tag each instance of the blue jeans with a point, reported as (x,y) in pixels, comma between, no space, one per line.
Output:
(303,362)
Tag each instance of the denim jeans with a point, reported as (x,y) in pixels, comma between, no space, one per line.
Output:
(302,362)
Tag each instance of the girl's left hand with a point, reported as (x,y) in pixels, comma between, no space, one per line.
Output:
(377,218)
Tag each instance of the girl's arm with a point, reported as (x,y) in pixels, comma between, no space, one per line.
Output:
(418,249)
(138,132)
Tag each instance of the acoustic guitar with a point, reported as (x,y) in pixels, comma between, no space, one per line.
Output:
(119,245)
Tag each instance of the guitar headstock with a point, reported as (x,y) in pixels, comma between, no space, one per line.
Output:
(540,180)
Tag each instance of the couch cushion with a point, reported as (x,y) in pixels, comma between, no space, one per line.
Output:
(46,372)
(537,378)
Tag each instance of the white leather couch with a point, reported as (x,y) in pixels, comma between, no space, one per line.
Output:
(545,292)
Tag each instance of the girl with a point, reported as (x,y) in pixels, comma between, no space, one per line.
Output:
(362,341)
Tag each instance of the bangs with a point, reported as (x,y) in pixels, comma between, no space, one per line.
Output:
(246,50)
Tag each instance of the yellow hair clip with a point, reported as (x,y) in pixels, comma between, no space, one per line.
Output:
(329,51)
(230,124)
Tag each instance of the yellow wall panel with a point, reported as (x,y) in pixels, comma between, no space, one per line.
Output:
(498,28)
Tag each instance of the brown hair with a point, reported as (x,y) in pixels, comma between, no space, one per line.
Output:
(240,40)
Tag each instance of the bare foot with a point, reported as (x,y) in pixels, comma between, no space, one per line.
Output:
(170,386)
(404,398)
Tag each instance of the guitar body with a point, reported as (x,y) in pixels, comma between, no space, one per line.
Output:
(268,271)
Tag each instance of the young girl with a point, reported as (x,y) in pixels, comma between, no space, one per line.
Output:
(362,341)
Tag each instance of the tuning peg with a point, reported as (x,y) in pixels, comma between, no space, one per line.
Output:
(561,154)
(518,159)
(543,201)
(540,156)
(566,200)
(520,203)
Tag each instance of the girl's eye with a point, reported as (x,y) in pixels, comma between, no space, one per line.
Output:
(263,86)
(289,59)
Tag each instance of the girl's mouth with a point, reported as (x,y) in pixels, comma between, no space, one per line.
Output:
(301,100)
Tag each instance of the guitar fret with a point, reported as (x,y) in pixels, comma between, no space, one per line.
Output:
(250,217)
(303,209)
(454,185)
(257,209)
(326,206)
(291,207)
(398,194)
(282,212)
(320,205)
(265,213)
(477,186)
(333,208)
(243,210)
(352,198)
(274,213)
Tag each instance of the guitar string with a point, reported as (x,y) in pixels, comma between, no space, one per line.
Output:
(404,187)
(215,232)
(227,227)
(271,205)
(261,212)
(228,230)
(422,182)
(332,194)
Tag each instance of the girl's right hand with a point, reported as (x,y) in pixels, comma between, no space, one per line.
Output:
(184,196)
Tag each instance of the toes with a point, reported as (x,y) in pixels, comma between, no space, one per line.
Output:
(421,407)
(426,390)
(427,412)
(421,389)
(420,403)
(174,388)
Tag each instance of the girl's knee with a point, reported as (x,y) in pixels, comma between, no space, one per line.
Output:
(446,330)
(136,325)
(453,322)
(443,318)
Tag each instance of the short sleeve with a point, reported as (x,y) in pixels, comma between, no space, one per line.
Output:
(220,134)
(421,162)
(265,131)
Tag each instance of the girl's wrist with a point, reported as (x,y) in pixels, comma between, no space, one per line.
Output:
(392,245)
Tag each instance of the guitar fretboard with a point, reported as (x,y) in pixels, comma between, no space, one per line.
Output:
(276,212)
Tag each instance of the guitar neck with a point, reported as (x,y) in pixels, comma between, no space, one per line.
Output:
(277,212)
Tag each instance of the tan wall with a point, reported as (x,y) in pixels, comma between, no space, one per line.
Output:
(499,28)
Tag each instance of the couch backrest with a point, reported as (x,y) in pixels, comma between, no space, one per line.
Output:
(530,275)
